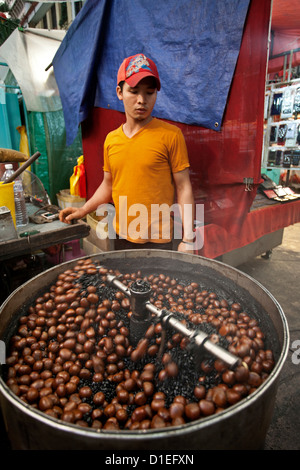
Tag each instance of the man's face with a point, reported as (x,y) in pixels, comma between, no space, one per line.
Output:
(140,100)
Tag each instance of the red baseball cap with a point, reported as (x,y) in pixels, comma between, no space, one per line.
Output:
(134,68)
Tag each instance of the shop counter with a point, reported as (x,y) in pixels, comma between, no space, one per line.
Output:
(261,231)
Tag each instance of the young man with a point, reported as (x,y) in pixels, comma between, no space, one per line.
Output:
(145,167)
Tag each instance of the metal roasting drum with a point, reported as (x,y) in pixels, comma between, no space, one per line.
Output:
(241,426)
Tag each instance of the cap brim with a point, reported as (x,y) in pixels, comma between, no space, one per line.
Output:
(137,77)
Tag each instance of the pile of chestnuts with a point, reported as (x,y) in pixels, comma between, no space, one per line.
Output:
(71,356)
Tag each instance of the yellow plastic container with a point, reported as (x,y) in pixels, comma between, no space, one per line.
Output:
(7,198)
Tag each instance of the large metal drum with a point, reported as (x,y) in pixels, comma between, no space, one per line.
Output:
(241,426)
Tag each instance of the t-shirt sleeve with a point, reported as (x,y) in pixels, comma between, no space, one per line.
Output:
(178,155)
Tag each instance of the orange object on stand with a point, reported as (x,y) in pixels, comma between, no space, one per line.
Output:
(78,179)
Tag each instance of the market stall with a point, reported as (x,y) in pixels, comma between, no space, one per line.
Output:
(225,153)
(223,127)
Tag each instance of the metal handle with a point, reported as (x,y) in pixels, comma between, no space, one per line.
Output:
(200,338)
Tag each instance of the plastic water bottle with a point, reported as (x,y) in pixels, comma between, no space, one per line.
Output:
(20,204)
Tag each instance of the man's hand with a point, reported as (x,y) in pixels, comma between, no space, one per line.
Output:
(71,213)
(102,195)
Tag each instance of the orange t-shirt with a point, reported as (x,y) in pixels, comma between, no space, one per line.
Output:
(141,168)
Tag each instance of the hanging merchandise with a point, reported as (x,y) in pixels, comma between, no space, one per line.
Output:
(282,133)
(276,104)
(273,134)
(281,147)
(78,180)
(24,146)
(279,157)
(297,101)
(290,138)
(287,108)
(298,135)
(20,205)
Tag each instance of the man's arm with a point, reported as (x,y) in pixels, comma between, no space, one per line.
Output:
(102,195)
(185,199)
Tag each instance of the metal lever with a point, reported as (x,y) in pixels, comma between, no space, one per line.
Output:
(200,338)
(139,295)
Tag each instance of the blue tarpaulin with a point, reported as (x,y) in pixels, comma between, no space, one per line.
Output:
(194,43)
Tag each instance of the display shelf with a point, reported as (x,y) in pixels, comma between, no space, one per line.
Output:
(282,168)
(281,149)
